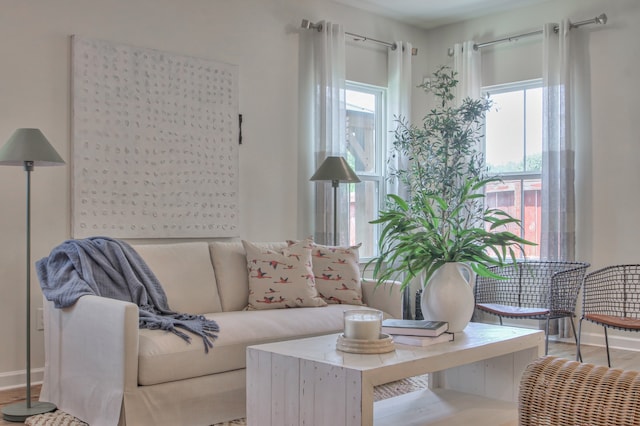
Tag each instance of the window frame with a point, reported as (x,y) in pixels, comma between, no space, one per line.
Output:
(525,175)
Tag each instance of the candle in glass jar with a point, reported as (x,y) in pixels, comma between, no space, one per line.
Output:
(362,324)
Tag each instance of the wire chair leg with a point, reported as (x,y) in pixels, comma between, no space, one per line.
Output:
(573,328)
(546,333)
(606,341)
(578,353)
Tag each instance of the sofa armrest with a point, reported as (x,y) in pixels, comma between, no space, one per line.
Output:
(386,297)
(91,353)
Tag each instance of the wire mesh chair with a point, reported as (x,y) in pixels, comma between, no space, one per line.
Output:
(611,298)
(540,290)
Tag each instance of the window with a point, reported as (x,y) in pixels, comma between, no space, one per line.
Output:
(513,149)
(365,121)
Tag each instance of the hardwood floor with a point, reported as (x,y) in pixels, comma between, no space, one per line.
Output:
(627,360)
(17,395)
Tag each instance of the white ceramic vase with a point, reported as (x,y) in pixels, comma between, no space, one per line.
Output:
(448,296)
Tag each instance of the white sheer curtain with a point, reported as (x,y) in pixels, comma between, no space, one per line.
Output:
(398,105)
(558,155)
(558,238)
(322,124)
(468,64)
(399,108)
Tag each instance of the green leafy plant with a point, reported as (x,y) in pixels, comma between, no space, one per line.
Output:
(443,218)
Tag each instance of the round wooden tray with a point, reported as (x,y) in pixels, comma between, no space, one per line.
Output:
(355,346)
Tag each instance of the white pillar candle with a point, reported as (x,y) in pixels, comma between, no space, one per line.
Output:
(362,324)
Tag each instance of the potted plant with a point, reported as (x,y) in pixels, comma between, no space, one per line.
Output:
(443,227)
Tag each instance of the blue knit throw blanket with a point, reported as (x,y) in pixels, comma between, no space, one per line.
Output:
(111,268)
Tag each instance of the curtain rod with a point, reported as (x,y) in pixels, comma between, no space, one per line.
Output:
(306,24)
(601,19)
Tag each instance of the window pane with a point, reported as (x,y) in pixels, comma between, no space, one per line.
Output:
(534,130)
(364,205)
(532,219)
(365,130)
(522,199)
(361,130)
(505,133)
(513,147)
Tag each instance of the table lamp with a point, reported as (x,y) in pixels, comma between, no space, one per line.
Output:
(28,148)
(335,169)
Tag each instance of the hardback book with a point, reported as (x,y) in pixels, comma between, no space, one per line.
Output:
(403,339)
(414,327)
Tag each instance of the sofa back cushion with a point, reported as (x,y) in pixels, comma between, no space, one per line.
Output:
(186,274)
(230,264)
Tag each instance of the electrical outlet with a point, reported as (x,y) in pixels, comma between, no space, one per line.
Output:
(39,319)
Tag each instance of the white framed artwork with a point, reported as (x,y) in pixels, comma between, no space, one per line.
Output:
(155,143)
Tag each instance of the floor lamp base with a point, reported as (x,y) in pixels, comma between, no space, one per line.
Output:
(19,412)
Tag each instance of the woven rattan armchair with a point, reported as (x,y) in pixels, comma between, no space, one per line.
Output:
(559,392)
(542,290)
(611,298)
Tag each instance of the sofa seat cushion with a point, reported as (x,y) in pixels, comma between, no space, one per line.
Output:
(163,357)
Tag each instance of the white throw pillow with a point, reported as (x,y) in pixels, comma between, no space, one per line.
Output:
(281,279)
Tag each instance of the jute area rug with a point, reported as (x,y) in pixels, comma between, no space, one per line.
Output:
(60,418)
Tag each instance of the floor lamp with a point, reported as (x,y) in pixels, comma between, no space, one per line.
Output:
(336,170)
(28,148)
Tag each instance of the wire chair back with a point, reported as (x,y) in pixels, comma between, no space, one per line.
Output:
(614,291)
(551,285)
(611,298)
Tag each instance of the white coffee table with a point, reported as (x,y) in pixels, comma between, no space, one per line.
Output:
(474,381)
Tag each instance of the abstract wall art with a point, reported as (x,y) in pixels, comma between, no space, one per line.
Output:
(155,143)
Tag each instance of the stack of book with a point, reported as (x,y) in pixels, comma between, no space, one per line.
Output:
(417,332)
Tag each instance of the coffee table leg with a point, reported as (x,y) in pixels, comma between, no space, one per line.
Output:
(283,390)
(258,388)
(496,377)
(331,395)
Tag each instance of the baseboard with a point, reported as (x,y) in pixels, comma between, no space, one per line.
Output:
(18,379)
(616,341)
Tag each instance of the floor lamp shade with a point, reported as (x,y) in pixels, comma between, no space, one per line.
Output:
(29,145)
(28,148)
(335,169)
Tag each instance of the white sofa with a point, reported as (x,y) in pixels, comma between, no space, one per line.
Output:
(103,369)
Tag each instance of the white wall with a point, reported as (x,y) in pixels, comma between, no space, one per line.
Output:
(261,36)
(607,172)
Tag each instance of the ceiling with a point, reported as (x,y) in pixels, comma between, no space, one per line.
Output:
(434,13)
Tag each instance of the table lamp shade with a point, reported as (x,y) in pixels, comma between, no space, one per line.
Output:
(335,169)
(29,145)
